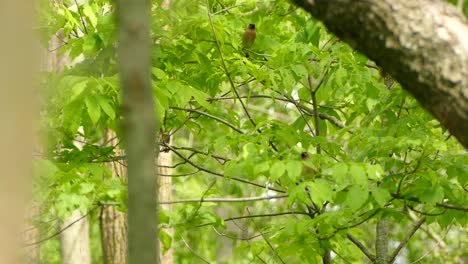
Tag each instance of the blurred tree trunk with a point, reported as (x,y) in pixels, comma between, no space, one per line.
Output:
(423,44)
(139,129)
(74,241)
(113,222)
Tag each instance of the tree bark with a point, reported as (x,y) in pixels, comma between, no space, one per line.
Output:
(165,194)
(113,222)
(139,129)
(74,241)
(381,242)
(423,44)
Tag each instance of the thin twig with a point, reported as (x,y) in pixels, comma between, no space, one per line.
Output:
(227,9)
(226,200)
(255,216)
(218,45)
(61,230)
(212,117)
(222,175)
(81,17)
(193,251)
(265,238)
(405,240)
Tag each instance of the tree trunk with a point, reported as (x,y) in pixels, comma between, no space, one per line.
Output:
(113,222)
(165,194)
(381,242)
(139,129)
(423,44)
(74,241)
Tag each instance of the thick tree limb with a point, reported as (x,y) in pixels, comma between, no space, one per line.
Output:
(423,44)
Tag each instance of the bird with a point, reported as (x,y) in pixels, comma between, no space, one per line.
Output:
(308,172)
(249,37)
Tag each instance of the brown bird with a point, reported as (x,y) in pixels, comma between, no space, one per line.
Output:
(308,172)
(249,37)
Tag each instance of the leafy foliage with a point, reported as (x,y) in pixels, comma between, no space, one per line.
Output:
(239,125)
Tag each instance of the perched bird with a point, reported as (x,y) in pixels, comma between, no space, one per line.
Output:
(308,172)
(249,37)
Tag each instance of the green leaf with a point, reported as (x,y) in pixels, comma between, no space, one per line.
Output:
(374,171)
(261,167)
(94,110)
(86,188)
(166,240)
(380,195)
(321,191)
(160,74)
(432,194)
(90,14)
(359,175)
(277,170)
(105,104)
(339,172)
(294,169)
(200,97)
(356,197)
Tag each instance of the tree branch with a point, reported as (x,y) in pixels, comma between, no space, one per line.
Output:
(222,175)
(266,240)
(360,246)
(212,117)
(405,240)
(226,200)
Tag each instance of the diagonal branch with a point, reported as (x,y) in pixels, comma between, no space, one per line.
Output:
(265,238)
(405,240)
(212,117)
(227,200)
(361,246)
(222,175)
(223,62)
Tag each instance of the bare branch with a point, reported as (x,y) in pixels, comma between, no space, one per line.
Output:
(223,176)
(233,86)
(361,246)
(405,240)
(61,230)
(265,238)
(227,200)
(212,117)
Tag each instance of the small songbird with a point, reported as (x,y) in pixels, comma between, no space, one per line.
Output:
(249,37)
(308,172)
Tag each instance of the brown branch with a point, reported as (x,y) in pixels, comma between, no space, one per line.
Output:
(255,216)
(361,246)
(226,200)
(212,117)
(222,175)
(265,238)
(405,240)
(223,62)
(81,17)
(61,230)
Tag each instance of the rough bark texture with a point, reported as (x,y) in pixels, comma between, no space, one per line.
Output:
(381,242)
(423,44)
(113,222)
(139,128)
